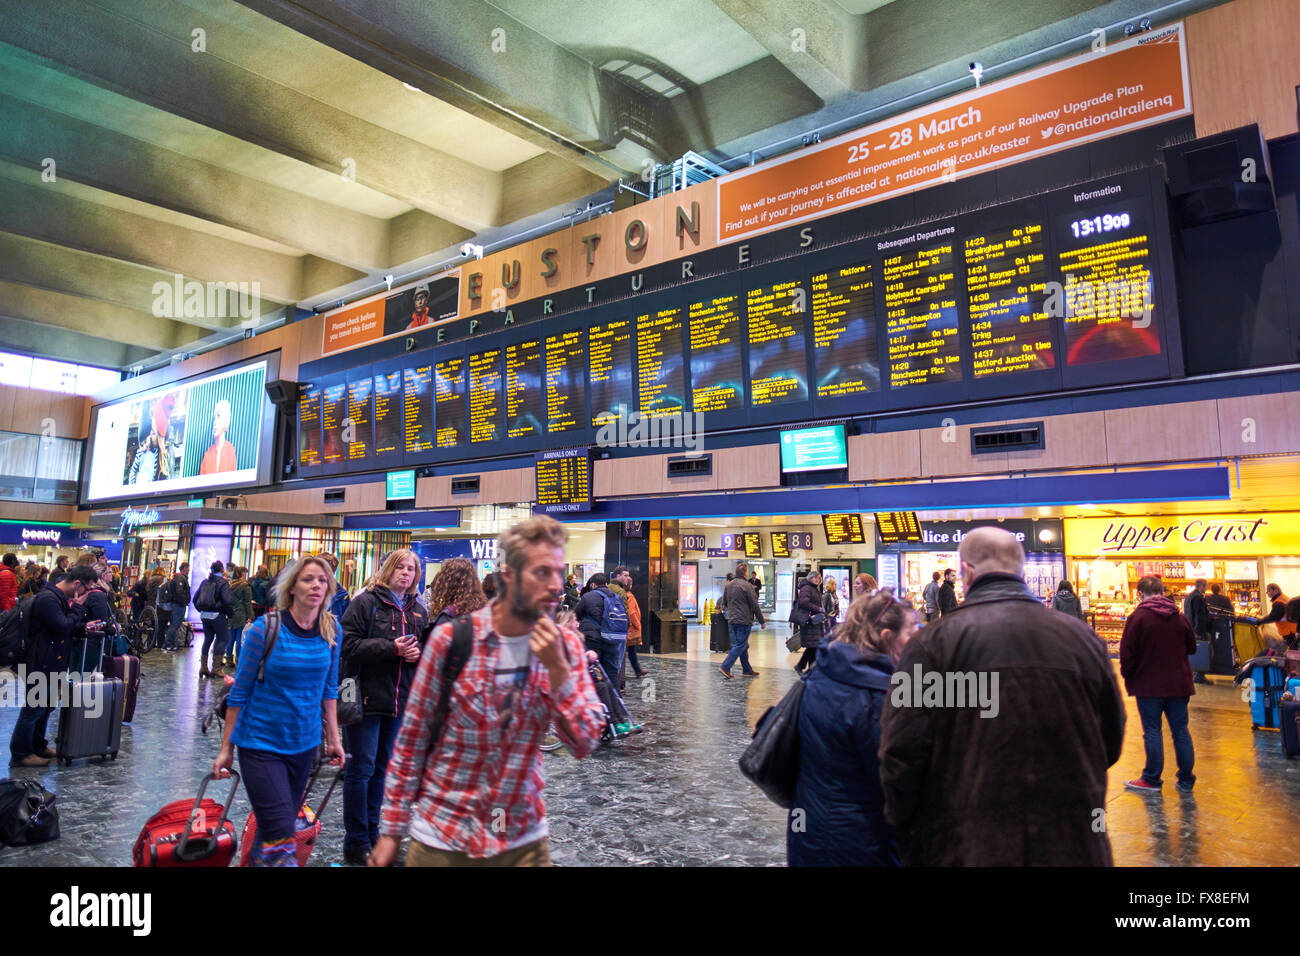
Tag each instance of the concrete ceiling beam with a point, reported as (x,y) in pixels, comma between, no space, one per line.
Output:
(816,40)
(120,54)
(96,319)
(46,341)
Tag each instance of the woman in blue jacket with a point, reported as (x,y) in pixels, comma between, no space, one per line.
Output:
(838,817)
(276,722)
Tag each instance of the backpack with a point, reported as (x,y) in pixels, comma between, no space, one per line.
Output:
(613,617)
(259,589)
(180,591)
(15,632)
(205,599)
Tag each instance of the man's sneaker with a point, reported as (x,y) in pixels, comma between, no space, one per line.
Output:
(750,674)
(725,673)
(622,728)
(31,760)
(1184,786)
(1142,786)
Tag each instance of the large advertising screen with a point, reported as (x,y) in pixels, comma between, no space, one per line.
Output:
(207,432)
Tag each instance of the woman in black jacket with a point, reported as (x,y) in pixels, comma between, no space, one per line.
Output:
(384,630)
(808,602)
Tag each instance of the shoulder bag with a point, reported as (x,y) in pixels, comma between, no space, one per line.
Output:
(772,758)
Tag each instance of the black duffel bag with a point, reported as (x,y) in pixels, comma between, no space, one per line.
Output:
(772,758)
(27,814)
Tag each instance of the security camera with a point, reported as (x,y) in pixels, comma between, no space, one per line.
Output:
(976,70)
(388,281)
(470,249)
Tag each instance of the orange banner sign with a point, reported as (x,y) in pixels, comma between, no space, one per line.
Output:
(404,310)
(1136,83)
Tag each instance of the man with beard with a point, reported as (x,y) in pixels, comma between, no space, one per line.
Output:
(465,775)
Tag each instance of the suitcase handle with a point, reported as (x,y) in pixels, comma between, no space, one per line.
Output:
(311,783)
(206,844)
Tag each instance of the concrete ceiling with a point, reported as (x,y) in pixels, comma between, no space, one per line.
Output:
(313,146)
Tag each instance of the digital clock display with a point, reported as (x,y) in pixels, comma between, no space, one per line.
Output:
(1097,225)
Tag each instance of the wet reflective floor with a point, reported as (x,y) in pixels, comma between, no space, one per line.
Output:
(674,795)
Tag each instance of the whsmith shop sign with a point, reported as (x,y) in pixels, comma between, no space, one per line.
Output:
(1244,535)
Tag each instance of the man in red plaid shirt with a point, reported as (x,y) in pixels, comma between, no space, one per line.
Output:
(475,798)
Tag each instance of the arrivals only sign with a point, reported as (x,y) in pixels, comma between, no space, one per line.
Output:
(1113,89)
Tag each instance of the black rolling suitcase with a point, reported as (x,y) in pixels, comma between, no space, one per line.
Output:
(719,634)
(1290,727)
(90,720)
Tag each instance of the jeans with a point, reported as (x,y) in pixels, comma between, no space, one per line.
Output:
(1175,711)
(369,744)
(215,632)
(275,784)
(232,645)
(29,732)
(610,654)
(739,647)
(177,619)
(632,659)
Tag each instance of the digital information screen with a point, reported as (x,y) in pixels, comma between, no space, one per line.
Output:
(813,449)
(418,409)
(566,393)
(525,399)
(778,362)
(400,485)
(780,544)
(611,371)
(895,527)
(717,381)
(334,408)
(1006,276)
(921,315)
(843,529)
(662,389)
(564,480)
(389,414)
(309,427)
(486,417)
(753,543)
(1105,260)
(360,419)
(844,332)
(449,396)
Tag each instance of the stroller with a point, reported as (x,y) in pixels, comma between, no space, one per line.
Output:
(618,720)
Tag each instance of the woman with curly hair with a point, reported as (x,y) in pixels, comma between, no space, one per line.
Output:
(842,818)
(455,591)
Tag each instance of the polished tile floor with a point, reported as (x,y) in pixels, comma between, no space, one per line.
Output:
(673,795)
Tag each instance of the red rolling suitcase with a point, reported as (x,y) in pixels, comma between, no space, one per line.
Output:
(127,669)
(189,833)
(306,827)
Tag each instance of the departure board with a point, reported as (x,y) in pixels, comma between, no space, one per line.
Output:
(717,381)
(921,313)
(612,388)
(309,427)
(1006,277)
(897,526)
(564,480)
(778,362)
(449,398)
(566,394)
(843,528)
(486,416)
(662,389)
(780,544)
(388,414)
(418,406)
(1105,258)
(334,408)
(359,412)
(753,543)
(844,332)
(525,400)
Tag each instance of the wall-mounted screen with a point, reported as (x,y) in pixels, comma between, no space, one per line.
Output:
(844,332)
(717,380)
(895,527)
(400,485)
(418,409)
(753,542)
(813,449)
(778,361)
(563,480)
(780,544)
(389,420)
(566,395)
(206,432)
(309,426)
(843,528)
(921,289)
(612,382)
(661,390)
(449,394)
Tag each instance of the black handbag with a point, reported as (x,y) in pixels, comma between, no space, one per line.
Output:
(772,758)
(349,707)
(27,814)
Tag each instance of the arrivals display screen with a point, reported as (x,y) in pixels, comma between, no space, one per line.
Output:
(843,528)
(813,449)
(210,431)
(564,480)
(895,527)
